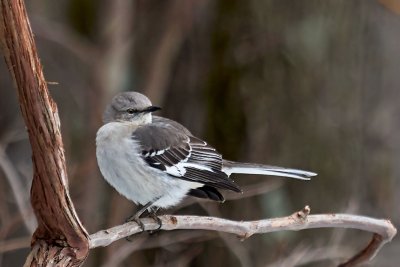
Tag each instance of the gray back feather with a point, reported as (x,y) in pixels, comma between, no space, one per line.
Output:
(161,134)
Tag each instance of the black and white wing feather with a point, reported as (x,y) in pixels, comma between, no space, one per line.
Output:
(182,156)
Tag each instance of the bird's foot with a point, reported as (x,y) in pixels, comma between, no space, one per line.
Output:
(157,220)
(135,218)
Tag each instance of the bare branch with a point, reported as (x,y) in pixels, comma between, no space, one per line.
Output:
(383,230)
(60,238)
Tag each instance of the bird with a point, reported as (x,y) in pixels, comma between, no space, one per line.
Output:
(156,162)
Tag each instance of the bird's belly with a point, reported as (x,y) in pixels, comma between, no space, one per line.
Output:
(134,179)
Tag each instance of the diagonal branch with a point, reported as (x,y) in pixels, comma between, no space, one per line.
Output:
(60,238)
(383,230)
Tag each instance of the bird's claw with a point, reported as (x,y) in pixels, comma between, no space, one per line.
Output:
(157,220)
(137,220)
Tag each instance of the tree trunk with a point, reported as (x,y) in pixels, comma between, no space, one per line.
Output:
(60,239)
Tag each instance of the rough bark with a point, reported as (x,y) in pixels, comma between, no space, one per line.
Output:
(60,238)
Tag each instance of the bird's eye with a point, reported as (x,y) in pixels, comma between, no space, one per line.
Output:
(131,110)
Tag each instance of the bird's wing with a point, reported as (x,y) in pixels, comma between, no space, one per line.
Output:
(172,150)
(157,120)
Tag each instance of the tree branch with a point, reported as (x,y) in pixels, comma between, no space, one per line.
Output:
(383,230)
(60,238)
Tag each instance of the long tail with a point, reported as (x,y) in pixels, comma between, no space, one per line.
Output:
(230,167)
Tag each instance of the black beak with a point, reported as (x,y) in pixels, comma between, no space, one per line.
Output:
(151,109)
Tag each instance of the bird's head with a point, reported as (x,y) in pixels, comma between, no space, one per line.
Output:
(129,106)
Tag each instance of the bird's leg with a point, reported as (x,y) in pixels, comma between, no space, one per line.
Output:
(136,216)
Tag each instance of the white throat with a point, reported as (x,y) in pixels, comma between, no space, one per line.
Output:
(143,119)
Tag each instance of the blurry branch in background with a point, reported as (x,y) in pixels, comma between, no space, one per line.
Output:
(184,258)
(383,230)
(180,21)
(14,244)
(143,242)
(339,235)
(66,38)
(306,255)
(112,66)
(17,189)
(59,239)
(237,248)
(255,190)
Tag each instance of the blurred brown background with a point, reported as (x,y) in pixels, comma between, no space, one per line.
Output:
(302,84)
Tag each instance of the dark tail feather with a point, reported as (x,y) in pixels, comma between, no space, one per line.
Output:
(207,192)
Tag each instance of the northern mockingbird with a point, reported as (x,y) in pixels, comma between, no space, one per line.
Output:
(156,162)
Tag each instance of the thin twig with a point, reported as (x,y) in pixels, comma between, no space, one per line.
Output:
(381,228)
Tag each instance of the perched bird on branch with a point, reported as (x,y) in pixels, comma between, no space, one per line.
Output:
(156,162)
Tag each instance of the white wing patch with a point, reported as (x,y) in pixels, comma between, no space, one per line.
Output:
(191,160)
(197,166)
(159,152)
(179,168)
